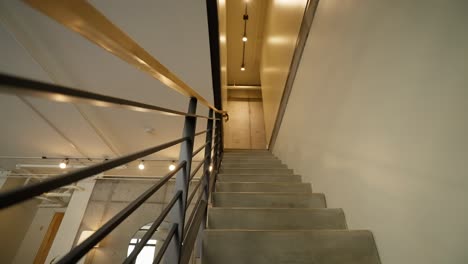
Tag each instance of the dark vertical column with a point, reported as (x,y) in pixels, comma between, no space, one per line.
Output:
(206,179)
(182,182)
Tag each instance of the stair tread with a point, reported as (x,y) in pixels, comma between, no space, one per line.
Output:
(289,246)
(275,218)
(263,213)
(266,199)
(257,178)
(263,187)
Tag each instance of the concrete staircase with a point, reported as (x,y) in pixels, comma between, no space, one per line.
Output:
(262,213)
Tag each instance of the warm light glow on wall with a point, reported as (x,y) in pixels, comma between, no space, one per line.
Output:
(280,40)
(84,235)
(291,3)
(222,39)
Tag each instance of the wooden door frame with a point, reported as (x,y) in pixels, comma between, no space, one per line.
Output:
(49,237)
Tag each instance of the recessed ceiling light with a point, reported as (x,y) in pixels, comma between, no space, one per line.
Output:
(141,166)
(172,166)
(63,164)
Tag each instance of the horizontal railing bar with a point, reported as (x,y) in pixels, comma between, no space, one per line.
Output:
(201,132)
(17,195)
(194,191)
(191,236)
(189,240)
(149,233)
(199,149)
(84,19)
(79,251)
(26,87)
(164,246)
(198,168)
(199,199)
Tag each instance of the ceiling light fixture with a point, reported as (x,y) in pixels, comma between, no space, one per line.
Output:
(210,168)
(141,166)
(244,37)
(172,166)
(63,164)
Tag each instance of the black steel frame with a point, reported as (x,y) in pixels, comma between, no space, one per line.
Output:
(181,239)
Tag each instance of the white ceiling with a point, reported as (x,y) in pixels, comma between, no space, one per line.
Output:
(34,46)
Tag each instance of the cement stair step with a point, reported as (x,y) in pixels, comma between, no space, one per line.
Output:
(291,247)
(263,187)
(275,219)
(257,178)
(248,156)
(248,153)
(253,166)
(250,161)
(226,150)
(269,200)
(257,171)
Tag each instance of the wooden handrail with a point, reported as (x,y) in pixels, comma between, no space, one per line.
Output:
(81,17)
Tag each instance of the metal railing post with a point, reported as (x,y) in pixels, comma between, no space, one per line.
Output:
(206,180)
(219,140)
(182,182)
(206,166)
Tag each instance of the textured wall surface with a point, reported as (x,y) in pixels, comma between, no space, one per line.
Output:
(108,198)
(378,118)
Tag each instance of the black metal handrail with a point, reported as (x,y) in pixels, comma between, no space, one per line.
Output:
(192,215)
(27,87)
(199,149)
(164,246)
(189,239)
(194,172)
(194,191)
(149,233)
(180,240)
(79,251)
(14,196)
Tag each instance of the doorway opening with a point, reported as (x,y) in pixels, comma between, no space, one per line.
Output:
(246,126)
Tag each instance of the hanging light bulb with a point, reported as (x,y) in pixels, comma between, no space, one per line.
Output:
(244,38)
(141,166)
(63,164)
(210,168)
(172,166)
(242,67)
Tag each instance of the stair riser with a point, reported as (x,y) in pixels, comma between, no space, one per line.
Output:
(253,163)
(254,166)
(266,200)
(246,151)
(276,219)
(258,178)
(263,187)
(259,171)
(248,156)
(298,247)
(252,153)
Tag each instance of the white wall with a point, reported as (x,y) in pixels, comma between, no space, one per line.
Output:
(20,216)
(378,121)
(68,230)
(282,24)
(32,240)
